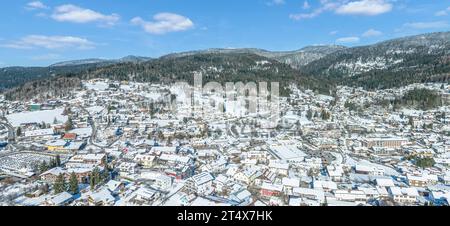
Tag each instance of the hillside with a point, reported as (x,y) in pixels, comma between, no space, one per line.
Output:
(388,64)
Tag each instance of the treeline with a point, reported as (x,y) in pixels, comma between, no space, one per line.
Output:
(423,99)
(417,60)
(11,77)
(44,89)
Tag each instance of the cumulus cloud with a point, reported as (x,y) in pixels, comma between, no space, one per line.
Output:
(372,33)
(36,5)
(346,7)
(76,14)
(365,7)
(164,23)
(427,25)
(50,42)
(348,40)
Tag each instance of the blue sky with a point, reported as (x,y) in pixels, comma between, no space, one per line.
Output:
(38,33)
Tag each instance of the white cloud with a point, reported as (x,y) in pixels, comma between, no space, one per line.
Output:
(164,23)
(347,7)
(444,12)
(50,42)
(427,25)
(306,5)
(325,6)
(348,40)
(365,7)
(36,5)
(76,14)
(372,33)
(276,2)
(333,32)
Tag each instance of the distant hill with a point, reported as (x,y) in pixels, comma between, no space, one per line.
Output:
(135,59)
(393,63)
(295,58)
(387,64)
(11,77)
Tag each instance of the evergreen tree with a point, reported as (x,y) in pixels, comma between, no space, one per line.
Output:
(309,114)
(58,160)
(60,184)
(73,184)
(43,167)
(69,125)
(19,131)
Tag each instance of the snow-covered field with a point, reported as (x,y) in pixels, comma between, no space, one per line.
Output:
(22,162)
(46,116)
(98,86)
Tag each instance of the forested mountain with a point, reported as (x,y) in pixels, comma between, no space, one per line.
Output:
(293,58)
(11,77)
(134,59)
(387,64)
(214,66)
(398,62)
(217,67)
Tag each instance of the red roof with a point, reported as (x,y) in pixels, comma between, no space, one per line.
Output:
(70,136)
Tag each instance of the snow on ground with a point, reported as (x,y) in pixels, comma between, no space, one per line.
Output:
(387,170)
(95,109)
(98,86)
(47,116)
(82,132)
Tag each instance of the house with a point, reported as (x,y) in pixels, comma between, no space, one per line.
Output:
(289,184)
(279,168)
(384,142)
(335,172)
(96,159)
(416,181)
(220,183)
(311,194)
(324,185)
(384,182)
(115,186)
(166,150)
(144,195)
(127,168)
(247,175)
(243,196)
(61,199)
(350,196)
(101,198)
(200,183)
(69,137)
(39,133)
(52,174)
(56,145)
(369,170)
(270,190)
(175,159)
(82,174)
(403,195)
(146,160)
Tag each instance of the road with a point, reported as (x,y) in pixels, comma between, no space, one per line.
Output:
(93,136)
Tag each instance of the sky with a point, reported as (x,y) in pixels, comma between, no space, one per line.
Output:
(39,33)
